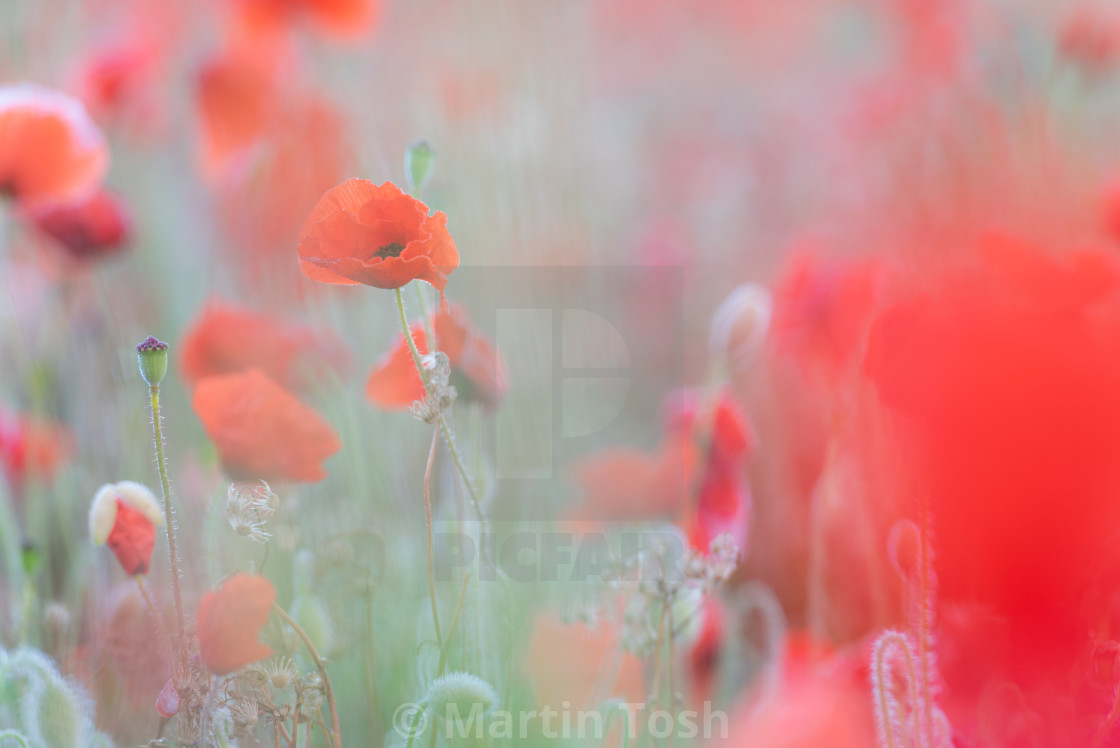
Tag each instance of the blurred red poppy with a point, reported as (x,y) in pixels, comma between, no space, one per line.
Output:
(477,369)
(118,82)
(360,232)
(31,447)
(227,338)
(229,621)
(697,477)
(1003,367)
(822,310)
(303,150)
(339,18)
(261,430)
(88,229)
(564,663)
(49,147)
(825,702)
(237,97)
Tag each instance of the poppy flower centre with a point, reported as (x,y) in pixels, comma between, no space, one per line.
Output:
(389,250)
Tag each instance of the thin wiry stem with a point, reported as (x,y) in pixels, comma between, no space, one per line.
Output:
(169,518)
(336,732)
(431,554)
(164,640)
(445,428)
(451,627)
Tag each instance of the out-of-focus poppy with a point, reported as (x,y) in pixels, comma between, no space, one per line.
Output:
(360,232)
(303,150)
(261,430)
(86,229)
(697,477)
(1003,367)
(124,516)
(477,369)
(229,621)
(345,19)
(237,97)
(49,147)
(722,496)
(227,338)
(31,447)
(1091,38)
(824,702)
(565,660)
(822,311)
(118,81)
(394,383)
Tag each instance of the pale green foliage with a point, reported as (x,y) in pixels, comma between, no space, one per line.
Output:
(45,709)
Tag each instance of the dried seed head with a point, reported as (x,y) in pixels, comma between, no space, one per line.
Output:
(440,393)
(249,506)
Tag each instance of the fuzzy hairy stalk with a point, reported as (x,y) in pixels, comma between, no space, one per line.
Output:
(169,526)
(888,709)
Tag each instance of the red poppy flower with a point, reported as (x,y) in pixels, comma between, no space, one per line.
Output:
(339,18)
(360,232)
(303,150)
(31,447)
(227,339)
(722,503)
(119,81)
(821,703)
(1004,366)
(697,476)
(822,310)
(124,516)
(237,99)
(477,369)
(261,430)
(86,229)
(49,147)
(394,383)
(229,621)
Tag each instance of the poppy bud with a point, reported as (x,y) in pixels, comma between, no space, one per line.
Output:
(152,357)
(739,325)
(418,162)
(124,516)
(167,703)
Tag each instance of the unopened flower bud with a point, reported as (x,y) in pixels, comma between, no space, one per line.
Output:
(418,162)
(152,357)
(740,324)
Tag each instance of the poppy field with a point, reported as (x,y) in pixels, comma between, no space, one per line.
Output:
(620,373)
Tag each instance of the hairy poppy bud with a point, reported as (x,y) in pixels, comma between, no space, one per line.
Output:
(152,357)
(124,516)
(418,162)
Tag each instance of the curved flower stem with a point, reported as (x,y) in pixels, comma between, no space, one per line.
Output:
(164,640)
(14,735)
(429,327)
(431,554)
(448,435)
(336,732)
(165,485)
(451,627)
